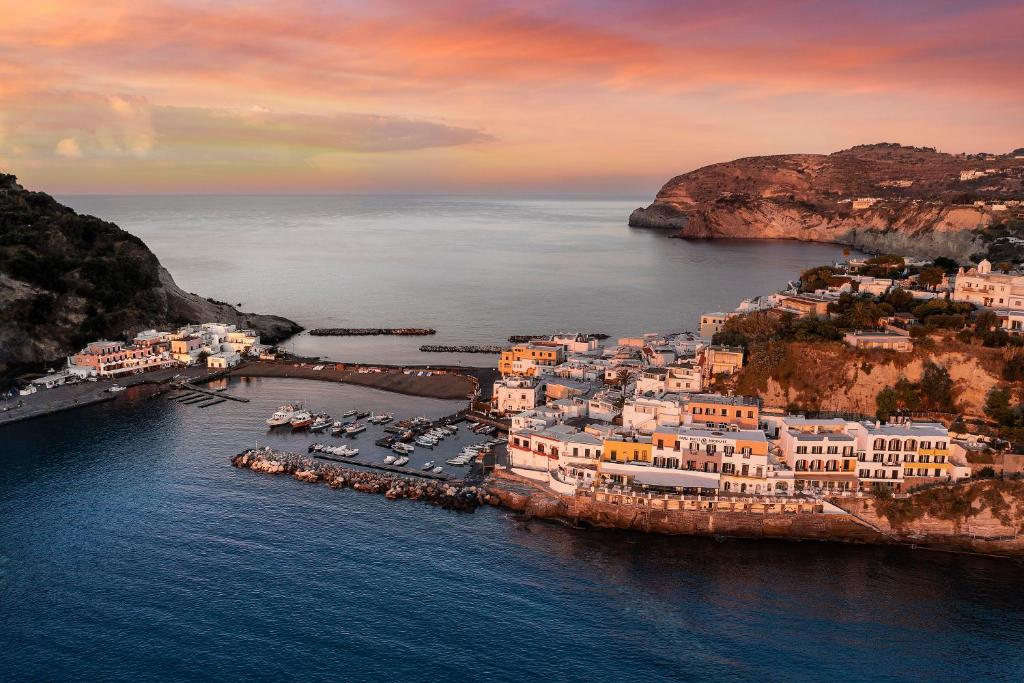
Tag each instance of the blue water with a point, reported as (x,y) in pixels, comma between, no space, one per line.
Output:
(130,549)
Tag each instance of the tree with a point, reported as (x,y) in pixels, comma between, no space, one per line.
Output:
(997,405)
(948,265)
(886,404)
(931,277)
(936,388)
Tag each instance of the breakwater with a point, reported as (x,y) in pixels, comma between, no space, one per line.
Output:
(447,495)
(468,348)
(523,338)
(372,331)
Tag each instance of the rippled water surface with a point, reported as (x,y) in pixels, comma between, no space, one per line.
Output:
(476,269)
(132,550)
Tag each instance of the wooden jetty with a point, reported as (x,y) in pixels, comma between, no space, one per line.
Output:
(209,392)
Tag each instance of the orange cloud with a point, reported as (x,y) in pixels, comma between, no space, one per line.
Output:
(650,88)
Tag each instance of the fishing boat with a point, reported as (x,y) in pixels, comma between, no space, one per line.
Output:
(403,448)
(282,415)
(362,414)
(301,420)
(320,423)
(348,413)
(386,417)
(337,428)
(428,466)
(352,430)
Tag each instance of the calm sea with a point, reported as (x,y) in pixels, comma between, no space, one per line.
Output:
(131,550)
(476,269)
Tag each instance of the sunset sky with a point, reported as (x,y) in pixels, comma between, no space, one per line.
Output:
(402,96)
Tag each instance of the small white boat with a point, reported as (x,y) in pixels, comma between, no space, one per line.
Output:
(437,470)
(428,466)
(390,459)
(401,461)
(403,448)
(355,429)
(114,388)
(348,413)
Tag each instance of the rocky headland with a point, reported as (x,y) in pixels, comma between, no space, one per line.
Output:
(66,279)
(924,199)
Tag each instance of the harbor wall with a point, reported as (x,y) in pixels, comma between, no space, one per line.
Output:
(846,520)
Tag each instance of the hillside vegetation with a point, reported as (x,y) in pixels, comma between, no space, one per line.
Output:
(66,279)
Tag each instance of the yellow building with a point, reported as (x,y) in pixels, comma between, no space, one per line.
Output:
(723,360)
(523,359)
(627,449)
(715,411)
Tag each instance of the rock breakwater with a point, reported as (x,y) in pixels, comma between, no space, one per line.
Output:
(372,331)
(447,495)
(467,348)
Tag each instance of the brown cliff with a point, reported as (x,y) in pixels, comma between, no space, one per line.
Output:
(924,207)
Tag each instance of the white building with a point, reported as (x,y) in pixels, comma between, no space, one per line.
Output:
(516,394)
(223,360)
(981,287)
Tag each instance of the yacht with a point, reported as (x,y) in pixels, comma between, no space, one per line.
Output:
(301,420)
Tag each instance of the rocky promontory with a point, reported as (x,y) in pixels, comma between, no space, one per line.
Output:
(882,197)
(67,278)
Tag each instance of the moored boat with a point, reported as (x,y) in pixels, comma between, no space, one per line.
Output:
(301,420)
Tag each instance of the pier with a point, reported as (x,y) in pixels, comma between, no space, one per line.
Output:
(383,467)
(523,338)
(372,331)
(199,390)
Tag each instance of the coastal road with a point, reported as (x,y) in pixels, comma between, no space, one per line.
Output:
(69,396)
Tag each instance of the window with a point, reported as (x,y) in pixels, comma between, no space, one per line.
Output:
(833,450)
(879,444)
(816,450)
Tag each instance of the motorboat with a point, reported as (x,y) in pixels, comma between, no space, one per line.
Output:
(402,461)
(389,459)
(352,430)
(320,423)
(282,416)
(403,448)
(362,414)
(428,466)
(337,428)
(114,388)
(348,413)
(301,420)
(426,443)
(437,470)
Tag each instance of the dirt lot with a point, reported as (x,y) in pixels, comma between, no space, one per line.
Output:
(447,385)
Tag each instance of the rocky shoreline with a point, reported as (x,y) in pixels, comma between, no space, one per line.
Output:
(452,495)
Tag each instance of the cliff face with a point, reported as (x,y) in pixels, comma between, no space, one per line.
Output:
(66,279)
(831,376)
(924,209)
